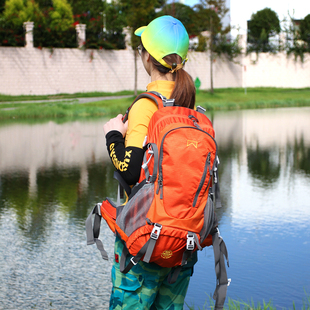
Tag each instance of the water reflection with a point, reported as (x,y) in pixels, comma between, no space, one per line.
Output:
(52,174)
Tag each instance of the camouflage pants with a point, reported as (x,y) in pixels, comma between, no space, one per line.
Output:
(146,287)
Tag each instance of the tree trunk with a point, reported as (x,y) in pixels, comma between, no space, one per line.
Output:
(136,72)
(211,56)
(211,71)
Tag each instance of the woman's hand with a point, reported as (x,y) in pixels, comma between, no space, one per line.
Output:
(116,123)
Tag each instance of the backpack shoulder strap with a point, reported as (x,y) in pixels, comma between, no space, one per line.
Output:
(160,100)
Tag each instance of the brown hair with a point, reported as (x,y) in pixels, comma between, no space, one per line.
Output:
(184,92)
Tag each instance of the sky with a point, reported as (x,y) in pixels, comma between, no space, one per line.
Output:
(241,10)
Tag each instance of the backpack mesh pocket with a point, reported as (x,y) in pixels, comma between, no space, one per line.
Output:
(209,220)
(133,215)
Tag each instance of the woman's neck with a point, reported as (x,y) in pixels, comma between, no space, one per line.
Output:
(156,75)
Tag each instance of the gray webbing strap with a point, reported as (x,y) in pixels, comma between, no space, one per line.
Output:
(216,185)
(145,167)
(146,250)
(152,241)
(153,150)
(192,239)
(93,230)
(166,102)
(220,251)
(134,259)
(174,273)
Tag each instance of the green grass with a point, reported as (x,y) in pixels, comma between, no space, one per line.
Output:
(241,305)
(222,99)
(236,98)
(8,98)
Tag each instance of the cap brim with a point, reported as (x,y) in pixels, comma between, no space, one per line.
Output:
(139,31)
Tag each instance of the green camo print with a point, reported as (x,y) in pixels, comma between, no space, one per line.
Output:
(145,286)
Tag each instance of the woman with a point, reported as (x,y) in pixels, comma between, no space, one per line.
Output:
(163,50)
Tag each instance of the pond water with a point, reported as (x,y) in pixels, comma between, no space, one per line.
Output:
(52,174)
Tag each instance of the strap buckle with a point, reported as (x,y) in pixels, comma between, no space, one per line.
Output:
(99,208)
(156,231)
(201,109)
(190,244)
(133,262)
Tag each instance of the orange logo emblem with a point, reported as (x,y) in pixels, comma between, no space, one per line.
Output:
(166,254)
(192,142)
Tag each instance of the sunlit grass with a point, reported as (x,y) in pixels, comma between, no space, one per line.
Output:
(241,305)
(253,98)
(8,98)
(222,99)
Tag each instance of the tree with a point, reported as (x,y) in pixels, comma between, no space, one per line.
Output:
(263,25)
(185,14)
(2,3)
(61,16)
(298,37)
(18,11)
(138,13)
(210,14)
(305,31)
(104,23)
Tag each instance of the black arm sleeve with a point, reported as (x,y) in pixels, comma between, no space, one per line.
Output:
(127,161)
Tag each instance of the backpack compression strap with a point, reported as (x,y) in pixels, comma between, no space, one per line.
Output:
(220,251)
(92,231)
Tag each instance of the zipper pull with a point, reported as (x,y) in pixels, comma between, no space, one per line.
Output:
(149,221)
(209,158)
(194,120)
(160,186)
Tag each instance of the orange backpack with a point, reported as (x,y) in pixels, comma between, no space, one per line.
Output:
(170,212)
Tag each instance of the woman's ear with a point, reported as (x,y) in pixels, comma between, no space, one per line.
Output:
(147,56)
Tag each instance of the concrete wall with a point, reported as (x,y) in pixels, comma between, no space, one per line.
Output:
(277,70)
(37,72)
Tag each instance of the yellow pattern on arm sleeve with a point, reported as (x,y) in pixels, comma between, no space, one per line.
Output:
(138,122)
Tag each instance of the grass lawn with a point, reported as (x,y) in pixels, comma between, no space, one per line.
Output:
(222,99)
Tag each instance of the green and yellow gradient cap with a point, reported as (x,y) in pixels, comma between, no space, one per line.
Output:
(163,36)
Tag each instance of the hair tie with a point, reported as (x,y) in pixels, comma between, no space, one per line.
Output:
(175,67)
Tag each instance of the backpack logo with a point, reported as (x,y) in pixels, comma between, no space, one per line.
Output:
(192,142)
(166,254)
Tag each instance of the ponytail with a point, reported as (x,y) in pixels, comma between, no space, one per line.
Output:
(184,91)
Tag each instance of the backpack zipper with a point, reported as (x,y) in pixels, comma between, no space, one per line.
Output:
(160,170)
(202,181)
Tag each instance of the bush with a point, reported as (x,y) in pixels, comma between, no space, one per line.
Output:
(11,35)
(47,37)
(17,12)
(61,17)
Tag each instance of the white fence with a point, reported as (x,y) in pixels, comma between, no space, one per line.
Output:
(32,71)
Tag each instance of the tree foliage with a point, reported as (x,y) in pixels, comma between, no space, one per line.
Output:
(61,16)
(210,14)
(105,21)
(97,15)
(18,11)
(138,13)
(2,3)
(298,37)
(305,30)
(263,25)
(185,14)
